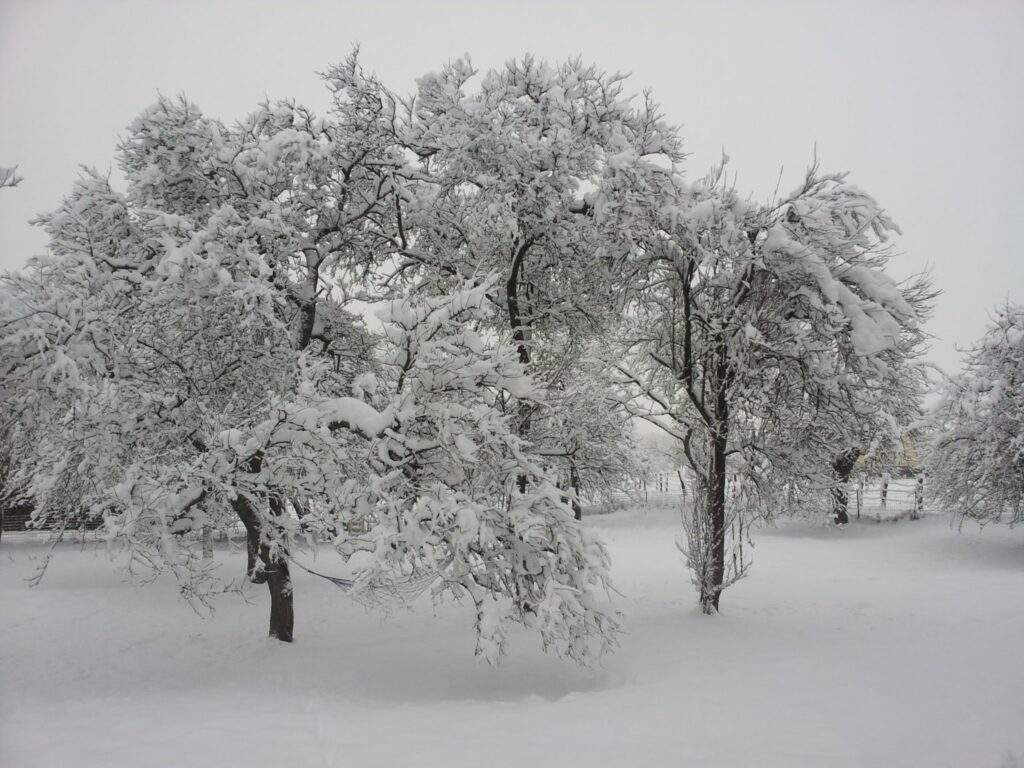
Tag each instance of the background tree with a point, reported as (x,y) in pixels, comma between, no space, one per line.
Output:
(582,428)
(865,412)
(976,455)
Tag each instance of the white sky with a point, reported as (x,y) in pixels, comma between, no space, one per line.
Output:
(917,99)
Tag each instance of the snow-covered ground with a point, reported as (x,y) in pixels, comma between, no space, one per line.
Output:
(878,645)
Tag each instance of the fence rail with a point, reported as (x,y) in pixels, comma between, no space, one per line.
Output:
(903,497)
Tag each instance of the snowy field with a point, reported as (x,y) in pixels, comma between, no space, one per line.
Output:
(879,645)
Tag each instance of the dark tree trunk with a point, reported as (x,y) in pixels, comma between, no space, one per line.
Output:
(714,576)
(253,566)
(842,467)
(520,329)
(520,334)
(274,568)
(574,482)
(279,582)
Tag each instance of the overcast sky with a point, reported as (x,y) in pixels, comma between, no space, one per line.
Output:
(921,101)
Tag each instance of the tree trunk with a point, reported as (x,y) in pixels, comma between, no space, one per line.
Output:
(714,570)
(520,335)
(842,467)
(574,481)
(253,566)
(274,570)
(279,582)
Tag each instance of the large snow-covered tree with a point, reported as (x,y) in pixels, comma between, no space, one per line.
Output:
(182,360)
(532,172)
(753,326)
(976,456)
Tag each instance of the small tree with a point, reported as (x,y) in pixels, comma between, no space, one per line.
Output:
(976,456)
(749,324)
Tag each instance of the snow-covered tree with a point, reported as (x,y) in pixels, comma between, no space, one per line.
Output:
(182,360)
(750,325)
(976,456)
(531,172)
(583,430)
(522,171)
(860,414)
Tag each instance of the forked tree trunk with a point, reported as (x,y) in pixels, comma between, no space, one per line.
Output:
(273,569)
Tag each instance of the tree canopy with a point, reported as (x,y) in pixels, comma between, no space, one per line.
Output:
(976,457)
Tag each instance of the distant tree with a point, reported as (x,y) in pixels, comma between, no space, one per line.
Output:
(749,323)
(867,412)
(976,454)
(581,427)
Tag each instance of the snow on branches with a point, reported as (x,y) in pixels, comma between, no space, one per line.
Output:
(750,325)
(976,457)
(180,363)
(185,359)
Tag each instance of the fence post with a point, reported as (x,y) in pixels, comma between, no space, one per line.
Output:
(860,493)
